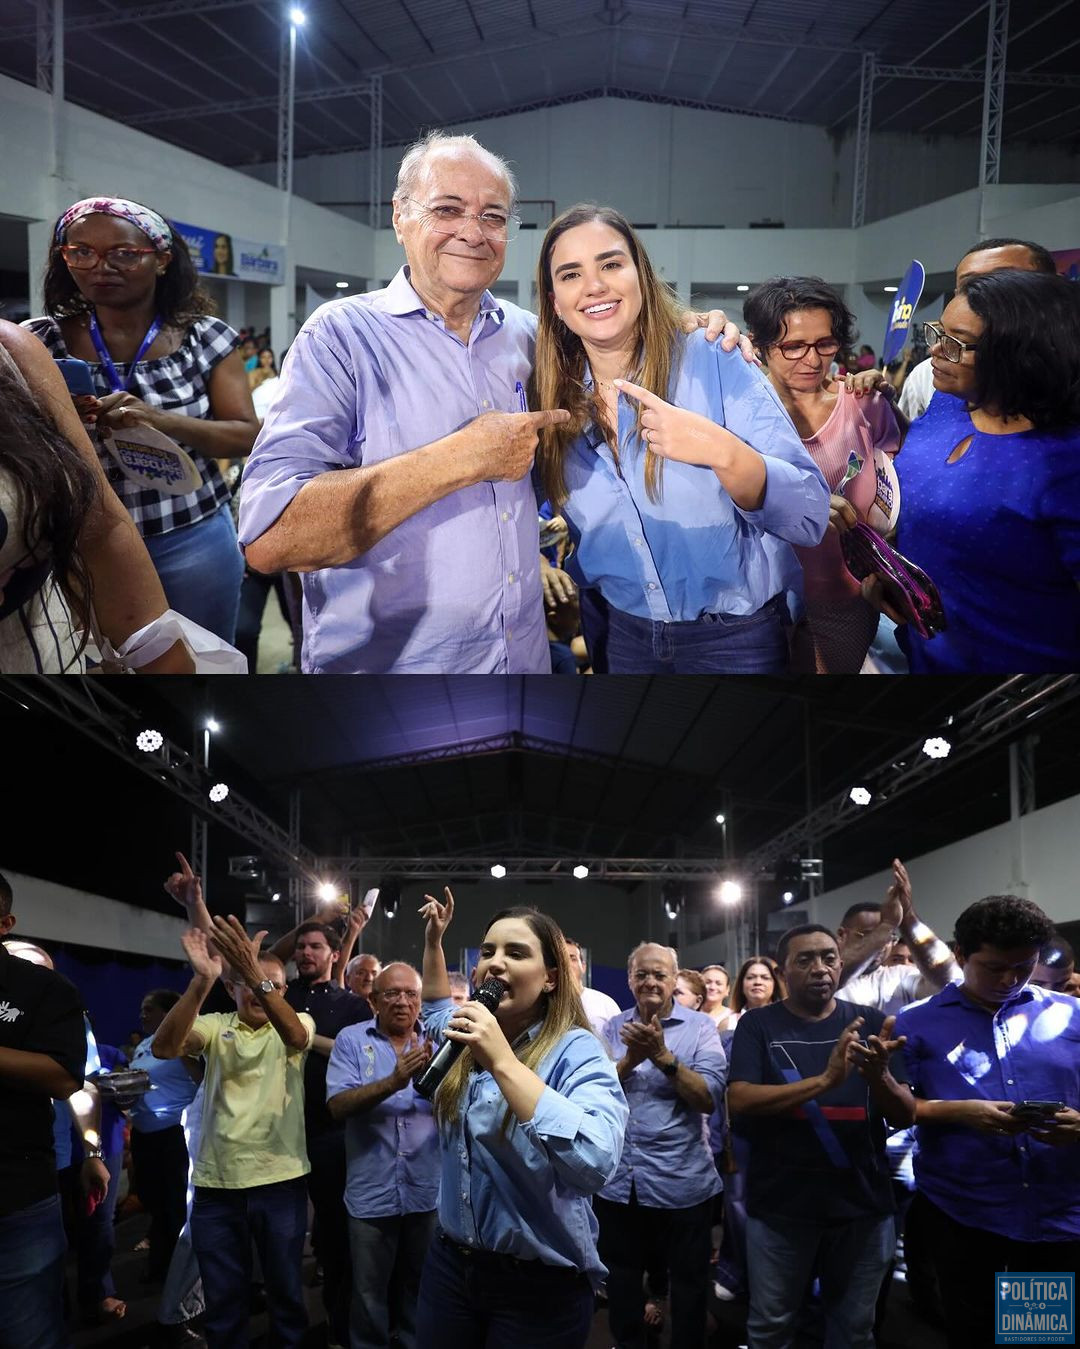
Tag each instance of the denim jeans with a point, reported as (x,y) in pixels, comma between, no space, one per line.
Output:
(32,1248)
(484,1301)
(714,644)
(849,1259)
(223,1225)
(629,1234)
(387,1258)
(200,567)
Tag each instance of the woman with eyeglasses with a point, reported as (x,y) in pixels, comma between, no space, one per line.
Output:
(121,293)
(798,324)
(991,479)
(681,479)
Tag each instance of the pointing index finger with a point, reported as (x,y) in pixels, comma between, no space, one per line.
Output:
(636,391)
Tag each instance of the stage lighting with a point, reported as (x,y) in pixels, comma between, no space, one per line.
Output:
(327,892)
(498,871)
(149,741)
(862,796)
(789,896)
(673,898)
(721,819)
(211,725)
(218,792)
(580,871)
(730,892)
(936,747)
(297,17)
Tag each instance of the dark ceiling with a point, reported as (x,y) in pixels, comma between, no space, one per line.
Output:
(203,74)
(417,767)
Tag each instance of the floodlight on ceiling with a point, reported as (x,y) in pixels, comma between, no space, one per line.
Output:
(730,892)
(218,792)
(211,725)
(149,741)
(498,871)
(936,747)
(742,288)
(788,896)
(297,17)
(861,796)
(328,892)
(581,871)
(721,819)
(341,285)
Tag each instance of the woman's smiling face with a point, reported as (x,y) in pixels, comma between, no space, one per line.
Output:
(595,285)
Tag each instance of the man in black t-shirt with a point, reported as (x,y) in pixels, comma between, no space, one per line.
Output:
(812,1100)
(42,1055)
(317,951)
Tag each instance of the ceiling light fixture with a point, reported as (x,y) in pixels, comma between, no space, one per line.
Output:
(297,17)
(788,896)
(342,285)
(721,819)
(498,871)
(149,741)
(218,792)
(581,871)
(730,892)
(328,892)
(742,287)
(861,796)
(211,725)
(936,747)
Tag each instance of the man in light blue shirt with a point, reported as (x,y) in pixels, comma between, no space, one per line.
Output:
(392,1153)
(673,1070)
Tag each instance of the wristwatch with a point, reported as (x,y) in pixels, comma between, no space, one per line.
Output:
(669,1069)
(95,1154)
(267,986)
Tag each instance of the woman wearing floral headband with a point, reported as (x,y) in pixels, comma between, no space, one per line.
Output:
(122,294)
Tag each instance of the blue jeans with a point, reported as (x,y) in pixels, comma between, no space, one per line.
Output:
(32,1248)
(713,644)
(850,1260)
(485,1301)
(387,1257)
(223,1225)
(201,568)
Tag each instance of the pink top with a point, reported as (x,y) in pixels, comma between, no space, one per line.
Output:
(857,424)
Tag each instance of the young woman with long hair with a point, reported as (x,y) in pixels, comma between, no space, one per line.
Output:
(531,1121)
(69,554)
(680,477)
(122,294)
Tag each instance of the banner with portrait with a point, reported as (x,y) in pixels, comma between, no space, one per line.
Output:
(229,256)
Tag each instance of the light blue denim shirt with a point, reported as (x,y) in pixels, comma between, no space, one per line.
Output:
(667,1158)
(455,588)
(695,552)
(171,1091)
(391,1150)
(526,1193)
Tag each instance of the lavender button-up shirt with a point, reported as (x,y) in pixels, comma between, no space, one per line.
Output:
(456,587)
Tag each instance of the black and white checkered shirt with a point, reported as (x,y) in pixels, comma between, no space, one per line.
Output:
(176,383)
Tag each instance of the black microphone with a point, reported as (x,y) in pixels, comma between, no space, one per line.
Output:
(489,994)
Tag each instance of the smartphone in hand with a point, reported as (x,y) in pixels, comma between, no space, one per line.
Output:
(77,377)
(369,901)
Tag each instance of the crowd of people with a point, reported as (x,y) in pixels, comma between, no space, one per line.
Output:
(422,442)
(713,1138)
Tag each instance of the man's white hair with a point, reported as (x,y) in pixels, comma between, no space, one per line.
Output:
(669,951)
(355,962)
(438,142)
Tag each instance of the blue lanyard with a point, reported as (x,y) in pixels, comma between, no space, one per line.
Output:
(118,385)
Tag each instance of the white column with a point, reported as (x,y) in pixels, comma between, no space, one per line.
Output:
(38,238)
(524,295)
(283,309)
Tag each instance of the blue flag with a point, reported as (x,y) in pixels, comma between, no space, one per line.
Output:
(904,306)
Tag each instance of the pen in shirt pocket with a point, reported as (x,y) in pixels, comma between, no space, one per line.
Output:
(519,389)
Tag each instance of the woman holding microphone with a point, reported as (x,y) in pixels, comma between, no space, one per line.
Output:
(531,1119)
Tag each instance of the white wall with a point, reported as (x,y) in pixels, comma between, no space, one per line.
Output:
(48,912)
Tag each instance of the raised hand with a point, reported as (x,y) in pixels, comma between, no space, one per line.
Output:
(356,921)
(863,382)
(183,885)
(717,324)
(201,955)
(897,904)
(872,1058)
(240,951)
(438,916)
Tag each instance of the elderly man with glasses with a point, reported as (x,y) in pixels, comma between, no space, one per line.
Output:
(657,1209)
(392,1153)
(393,465)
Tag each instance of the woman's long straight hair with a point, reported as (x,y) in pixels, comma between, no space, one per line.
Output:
(559,368)
(561,1009)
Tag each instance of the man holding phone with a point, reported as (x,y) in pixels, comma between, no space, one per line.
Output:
(993,1064)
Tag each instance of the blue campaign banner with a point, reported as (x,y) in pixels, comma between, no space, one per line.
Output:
(904,306)
(217,254)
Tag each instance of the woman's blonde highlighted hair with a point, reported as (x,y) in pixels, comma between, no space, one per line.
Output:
(559,367)
(561,1010)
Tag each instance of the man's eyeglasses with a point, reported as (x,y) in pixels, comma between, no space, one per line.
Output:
(658,976)
(795,351)
(498,226)
(398,994)
(82,257)
(951,347)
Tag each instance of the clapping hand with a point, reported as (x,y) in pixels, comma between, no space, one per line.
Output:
(897,904)
(438,916)
(643,1039)
(872,1058)
(201,955)
(840,1063)
(240,951)
(413,1059)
